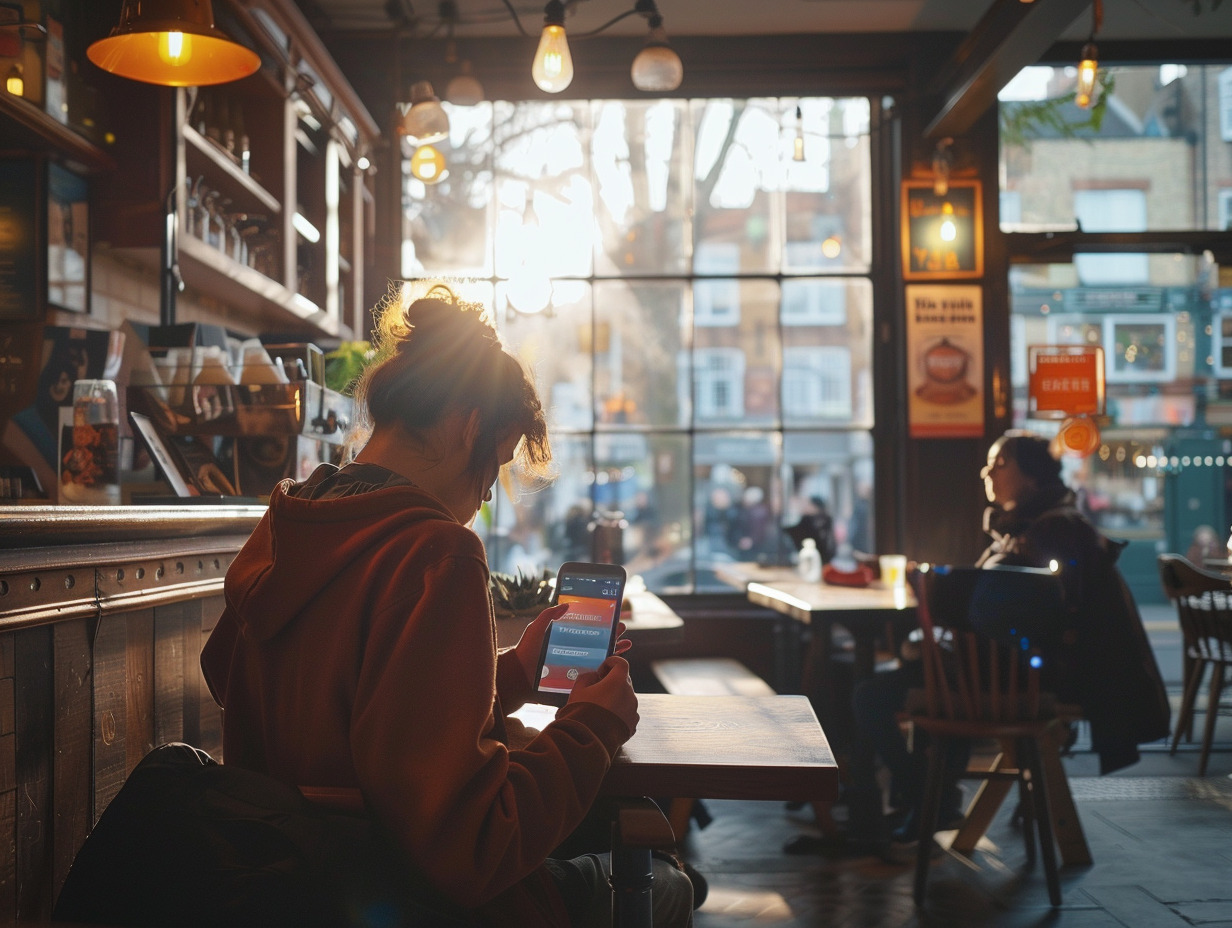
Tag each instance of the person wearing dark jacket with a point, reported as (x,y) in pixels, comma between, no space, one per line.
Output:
(1096,654)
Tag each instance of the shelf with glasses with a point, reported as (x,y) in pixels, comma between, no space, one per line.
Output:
(205,158)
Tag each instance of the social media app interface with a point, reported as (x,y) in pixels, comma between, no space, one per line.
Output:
(579,639)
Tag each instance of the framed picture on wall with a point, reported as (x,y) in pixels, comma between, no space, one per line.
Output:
(19,235)
(942,234)
(68,240)
(1140,348)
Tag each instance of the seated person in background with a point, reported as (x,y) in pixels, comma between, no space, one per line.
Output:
(1100,658)
(356,657)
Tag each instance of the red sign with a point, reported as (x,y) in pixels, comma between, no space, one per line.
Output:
(1065,380)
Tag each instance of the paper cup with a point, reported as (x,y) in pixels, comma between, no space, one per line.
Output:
(893,570)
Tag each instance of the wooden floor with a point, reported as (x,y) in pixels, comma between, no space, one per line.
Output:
(1160,837)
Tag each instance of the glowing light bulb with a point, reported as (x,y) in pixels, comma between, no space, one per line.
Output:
(832,247)
(15,83)
(1084,91)
(175,48)
(553,67)
(948,230)
(428,165)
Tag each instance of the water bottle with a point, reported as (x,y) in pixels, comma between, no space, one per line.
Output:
(90,471)
(809,563)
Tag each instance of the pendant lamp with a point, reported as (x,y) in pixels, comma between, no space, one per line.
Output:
(174,43)
(426,121)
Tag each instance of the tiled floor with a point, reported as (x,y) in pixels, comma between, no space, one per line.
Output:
(1160,837)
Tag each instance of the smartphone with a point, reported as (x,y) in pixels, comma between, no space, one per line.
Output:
(584,637)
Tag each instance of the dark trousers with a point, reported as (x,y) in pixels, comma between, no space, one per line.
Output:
(876,703)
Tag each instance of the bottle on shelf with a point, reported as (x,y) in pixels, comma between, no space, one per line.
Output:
(90,469)
(809,563)
(240,135)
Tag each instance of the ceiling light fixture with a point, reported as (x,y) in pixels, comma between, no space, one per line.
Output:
(174,43)
(553,66)
(426,121)
(1088,67)
(657,68)
(464,88)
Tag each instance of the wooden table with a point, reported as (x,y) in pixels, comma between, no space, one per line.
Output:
(708,747)
(862,611)
(718,747)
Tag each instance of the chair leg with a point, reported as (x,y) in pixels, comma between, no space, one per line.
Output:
(1195,669)
(1026,806)
(1030,750)
(930,811)
(1212,713)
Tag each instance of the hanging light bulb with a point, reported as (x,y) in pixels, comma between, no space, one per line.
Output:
(464,88)
(943,160)
(15,83)
(553,66)
(657,68)
(426,121)
(797,150)
(1084,92)
(948,230)
(428,165)
(174,43)
(1087,69)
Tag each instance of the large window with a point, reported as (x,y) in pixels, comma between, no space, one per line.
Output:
(1155,162)
(696,306)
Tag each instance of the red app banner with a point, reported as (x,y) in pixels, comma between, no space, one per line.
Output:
(577,642)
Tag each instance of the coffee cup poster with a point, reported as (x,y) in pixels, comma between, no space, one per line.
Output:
(945,356)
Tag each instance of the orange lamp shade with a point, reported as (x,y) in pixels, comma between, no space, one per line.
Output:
(174,43)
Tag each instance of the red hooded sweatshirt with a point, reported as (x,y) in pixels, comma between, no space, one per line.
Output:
(358,651)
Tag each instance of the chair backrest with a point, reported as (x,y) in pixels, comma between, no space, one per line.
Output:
(981,634)
(1203,605)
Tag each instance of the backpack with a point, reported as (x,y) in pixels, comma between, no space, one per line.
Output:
(189,841)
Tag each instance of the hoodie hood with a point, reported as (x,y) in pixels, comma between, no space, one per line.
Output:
(302,545)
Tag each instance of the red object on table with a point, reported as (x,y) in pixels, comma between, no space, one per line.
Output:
(861,576)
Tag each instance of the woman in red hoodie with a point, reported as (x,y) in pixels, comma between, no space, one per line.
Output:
(356,657)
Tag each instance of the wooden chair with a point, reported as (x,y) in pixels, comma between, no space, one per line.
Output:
(1204,607)
(982,681)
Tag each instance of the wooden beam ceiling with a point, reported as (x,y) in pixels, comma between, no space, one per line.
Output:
(1010,36)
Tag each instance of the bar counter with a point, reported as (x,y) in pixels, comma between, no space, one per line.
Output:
(103,612)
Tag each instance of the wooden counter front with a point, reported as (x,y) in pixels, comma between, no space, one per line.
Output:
(103,613)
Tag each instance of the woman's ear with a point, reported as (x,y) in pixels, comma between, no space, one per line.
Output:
(470,431)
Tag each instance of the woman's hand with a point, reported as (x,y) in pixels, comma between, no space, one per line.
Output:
(610,687)
(530,645)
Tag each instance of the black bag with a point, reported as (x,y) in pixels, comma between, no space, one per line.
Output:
(189,841)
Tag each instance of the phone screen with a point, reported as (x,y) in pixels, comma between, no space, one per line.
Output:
(583,637)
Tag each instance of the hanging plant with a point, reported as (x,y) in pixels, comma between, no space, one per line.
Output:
(1024,121)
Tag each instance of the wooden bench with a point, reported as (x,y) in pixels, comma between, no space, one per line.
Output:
(709,676)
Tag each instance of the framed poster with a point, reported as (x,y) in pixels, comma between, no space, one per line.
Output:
(19,236)
(68,240)
(1140,348)
(945,354)
(942,236)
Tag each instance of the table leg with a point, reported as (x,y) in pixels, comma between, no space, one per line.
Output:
(638,828)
